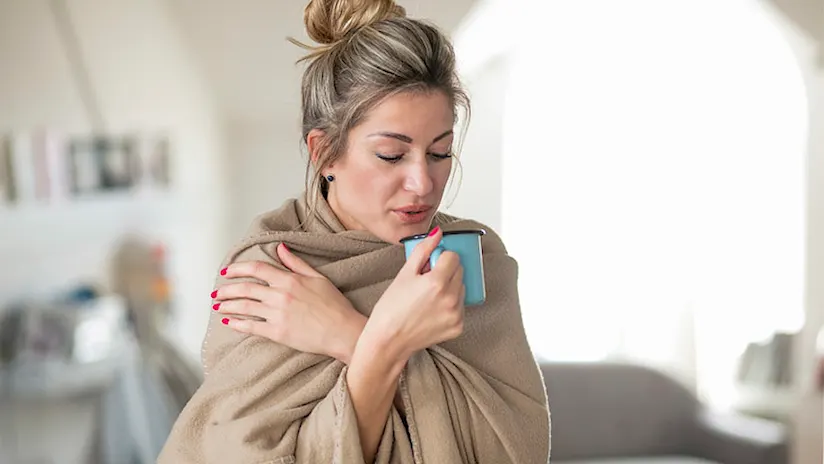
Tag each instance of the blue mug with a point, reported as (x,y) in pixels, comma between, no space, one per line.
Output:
(467,245)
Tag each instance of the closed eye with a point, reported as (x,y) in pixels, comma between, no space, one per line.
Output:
(395,158)
(389,158)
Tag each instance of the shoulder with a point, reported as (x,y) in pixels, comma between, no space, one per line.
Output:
(285,218)
(491,240)
(263,230)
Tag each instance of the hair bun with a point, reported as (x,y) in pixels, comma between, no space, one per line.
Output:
(330,21)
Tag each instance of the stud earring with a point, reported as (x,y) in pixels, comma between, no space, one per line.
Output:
(330,178)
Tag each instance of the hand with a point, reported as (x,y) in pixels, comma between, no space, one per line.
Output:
(301,309)
(421,309)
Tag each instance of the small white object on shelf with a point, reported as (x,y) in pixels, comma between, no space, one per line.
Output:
(97,353)
(773,402)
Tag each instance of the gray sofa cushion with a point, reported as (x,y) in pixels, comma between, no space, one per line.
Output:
(656,460)
(616,413)
(603,410)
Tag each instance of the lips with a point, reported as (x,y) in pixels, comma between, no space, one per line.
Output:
(413,214)
(413,209)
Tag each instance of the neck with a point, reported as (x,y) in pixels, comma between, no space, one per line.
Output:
(347,221)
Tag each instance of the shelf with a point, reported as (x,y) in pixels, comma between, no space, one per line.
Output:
(82,220)
(66,350)
(778,403)
(56,380)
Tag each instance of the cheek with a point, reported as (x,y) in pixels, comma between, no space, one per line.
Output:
(441,173)
(370,188)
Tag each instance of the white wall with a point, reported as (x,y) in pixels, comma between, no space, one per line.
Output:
(809,418)
(145,80)
(266,167)
(476,191)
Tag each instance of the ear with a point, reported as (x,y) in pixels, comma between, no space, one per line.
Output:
(314,140)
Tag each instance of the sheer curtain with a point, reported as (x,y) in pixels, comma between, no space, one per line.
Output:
(652,179)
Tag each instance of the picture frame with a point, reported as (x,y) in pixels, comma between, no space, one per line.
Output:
(103,163)
(7,185)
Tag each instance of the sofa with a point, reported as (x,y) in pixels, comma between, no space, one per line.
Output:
(615,413)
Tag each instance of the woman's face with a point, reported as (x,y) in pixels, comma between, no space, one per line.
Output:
(393,174)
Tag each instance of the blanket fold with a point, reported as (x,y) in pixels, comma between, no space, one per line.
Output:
(477,399)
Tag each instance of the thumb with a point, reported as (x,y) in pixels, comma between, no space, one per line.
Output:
(420,255)
(295,264)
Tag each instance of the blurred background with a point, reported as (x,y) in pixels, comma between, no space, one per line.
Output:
(656,167)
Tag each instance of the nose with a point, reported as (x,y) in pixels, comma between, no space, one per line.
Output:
(418,179)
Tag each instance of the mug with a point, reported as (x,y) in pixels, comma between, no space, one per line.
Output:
(467,245)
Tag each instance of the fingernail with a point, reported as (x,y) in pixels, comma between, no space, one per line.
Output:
(214,294)
(216,306)
(225,321)
(223,271)
(286,247)
(434,231)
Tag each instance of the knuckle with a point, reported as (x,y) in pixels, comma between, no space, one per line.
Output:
(291,283)
(257,267)
(437,285)
(457,328)
(247,307)
(284,298)
(245,289)
(239,306)
(277,331)
(277,324)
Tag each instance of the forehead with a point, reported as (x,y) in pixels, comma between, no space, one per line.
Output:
(411,112)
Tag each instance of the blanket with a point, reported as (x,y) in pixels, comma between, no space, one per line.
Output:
(479,398)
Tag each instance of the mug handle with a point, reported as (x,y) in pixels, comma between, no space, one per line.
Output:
(433,258)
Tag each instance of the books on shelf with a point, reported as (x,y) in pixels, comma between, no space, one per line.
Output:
(45,166)
(7,189)
(768,364)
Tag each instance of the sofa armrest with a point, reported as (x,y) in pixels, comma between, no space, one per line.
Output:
(738,439)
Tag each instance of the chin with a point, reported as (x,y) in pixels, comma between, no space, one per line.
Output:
(407,230)
(393,232)
(392,228)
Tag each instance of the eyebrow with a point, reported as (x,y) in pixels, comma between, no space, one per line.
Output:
(406,138)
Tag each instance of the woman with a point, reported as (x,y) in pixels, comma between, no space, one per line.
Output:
(326,344)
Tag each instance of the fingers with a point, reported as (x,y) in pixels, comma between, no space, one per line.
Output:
(259,270)
(248,290)
(265,272)
(422,251)
(456,281)
(456,286)
(447,265)
(244,307)
(295,264)
(246,326)
(448,269)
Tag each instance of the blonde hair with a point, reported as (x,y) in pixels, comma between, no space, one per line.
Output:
(369,50)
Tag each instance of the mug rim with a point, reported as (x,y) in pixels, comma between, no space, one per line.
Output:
(445,233)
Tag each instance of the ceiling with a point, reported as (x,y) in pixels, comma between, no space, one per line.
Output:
(808,15)
(241,46)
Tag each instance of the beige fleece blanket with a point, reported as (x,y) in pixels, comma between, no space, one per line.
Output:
(477,399)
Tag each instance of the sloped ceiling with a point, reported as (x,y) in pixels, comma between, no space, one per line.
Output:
(807,15)
(241,46)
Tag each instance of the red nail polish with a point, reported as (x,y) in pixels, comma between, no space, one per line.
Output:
(225,321)
(434,231)
(216,306)
(223,271)
(214,294)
